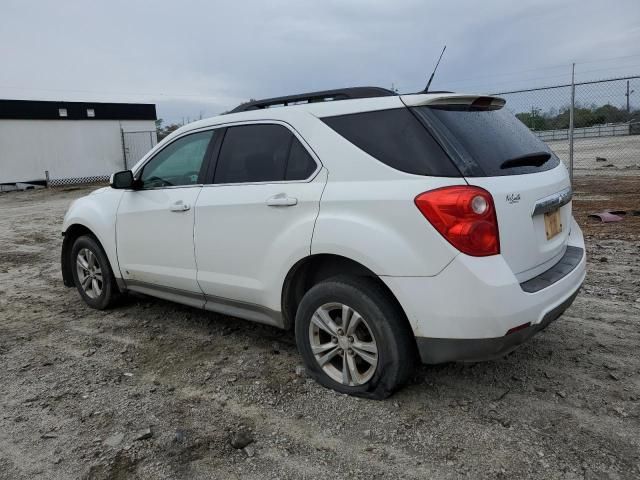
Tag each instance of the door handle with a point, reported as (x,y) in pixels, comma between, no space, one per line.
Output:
(179,206)
(281,200)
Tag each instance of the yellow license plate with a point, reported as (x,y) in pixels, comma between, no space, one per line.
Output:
(552,224)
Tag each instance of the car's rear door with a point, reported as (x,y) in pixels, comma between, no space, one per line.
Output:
(255,217)
(154,224)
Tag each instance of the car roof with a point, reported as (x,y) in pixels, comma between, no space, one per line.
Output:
(315,97)
(289,113)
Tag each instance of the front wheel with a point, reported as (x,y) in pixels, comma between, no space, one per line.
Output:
(92,273)
(354,338)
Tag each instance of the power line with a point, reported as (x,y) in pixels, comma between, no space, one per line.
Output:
(590,82)
(609,68)
(494,75)
(608,59)
(550,67)
(499,84)
(504,82)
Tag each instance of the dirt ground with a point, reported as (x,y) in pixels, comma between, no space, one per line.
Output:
(157,390)
(602,155)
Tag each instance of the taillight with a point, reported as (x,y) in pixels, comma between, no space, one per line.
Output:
(465,216)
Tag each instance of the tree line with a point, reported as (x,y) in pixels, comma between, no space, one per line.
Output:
(583,116)
(163,130)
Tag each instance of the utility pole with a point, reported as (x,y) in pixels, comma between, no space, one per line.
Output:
(628,94)
(534,117)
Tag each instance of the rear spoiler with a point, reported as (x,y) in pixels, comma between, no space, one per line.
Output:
(454,101)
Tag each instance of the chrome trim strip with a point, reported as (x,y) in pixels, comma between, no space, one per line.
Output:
(274,182)
(553,202)
(194,185)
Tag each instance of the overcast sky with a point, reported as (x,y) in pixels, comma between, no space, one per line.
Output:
(204,57)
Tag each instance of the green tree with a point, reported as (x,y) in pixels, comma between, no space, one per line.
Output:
(167,130)
(533,119)
(583,116)
(613,114)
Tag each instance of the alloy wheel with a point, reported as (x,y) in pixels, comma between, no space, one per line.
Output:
(89,273)
(343,344)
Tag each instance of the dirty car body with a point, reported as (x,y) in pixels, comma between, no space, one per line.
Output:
(385,229)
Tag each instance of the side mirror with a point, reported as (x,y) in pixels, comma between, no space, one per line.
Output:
(123,179)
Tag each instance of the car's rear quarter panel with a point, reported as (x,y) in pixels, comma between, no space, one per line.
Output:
(368,214)
(377,224)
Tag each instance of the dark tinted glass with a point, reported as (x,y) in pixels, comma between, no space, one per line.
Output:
(253,153)
(300,164)
(396,138)
(179,163)
(480,142)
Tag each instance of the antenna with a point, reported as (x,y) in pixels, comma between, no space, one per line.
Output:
(426,89)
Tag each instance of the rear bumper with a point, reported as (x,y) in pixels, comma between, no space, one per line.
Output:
(440,350)
(465,312)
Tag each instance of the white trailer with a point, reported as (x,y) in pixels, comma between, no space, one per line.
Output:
(71,142)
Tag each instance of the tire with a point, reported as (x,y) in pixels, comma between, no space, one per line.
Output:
(382,327)
(97,294)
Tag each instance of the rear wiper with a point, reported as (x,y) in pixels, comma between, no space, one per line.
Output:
(535,159)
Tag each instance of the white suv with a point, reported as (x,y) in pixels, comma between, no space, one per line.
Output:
(385,229)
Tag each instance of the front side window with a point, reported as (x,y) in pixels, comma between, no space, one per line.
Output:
(179,163)
(262,153)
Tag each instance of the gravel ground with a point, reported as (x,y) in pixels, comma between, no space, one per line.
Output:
(157,390)
(618,155)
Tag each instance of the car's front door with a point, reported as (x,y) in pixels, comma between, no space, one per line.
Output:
(154,224)
(256,219)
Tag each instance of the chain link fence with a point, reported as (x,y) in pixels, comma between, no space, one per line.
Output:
(606,122)
(135,145)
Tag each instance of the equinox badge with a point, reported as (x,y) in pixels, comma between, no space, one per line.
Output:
(513,198)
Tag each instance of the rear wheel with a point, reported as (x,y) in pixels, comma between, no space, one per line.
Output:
(353,338)
(92,273)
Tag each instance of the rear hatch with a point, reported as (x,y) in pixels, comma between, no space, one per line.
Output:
(495,151)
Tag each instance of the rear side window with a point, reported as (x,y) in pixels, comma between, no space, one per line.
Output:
(262,153)
(396,138)
(488,142)
(300,164)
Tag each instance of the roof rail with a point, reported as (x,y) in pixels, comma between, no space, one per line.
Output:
(313,97)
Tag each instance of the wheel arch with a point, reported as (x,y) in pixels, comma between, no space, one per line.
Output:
(70,235)
(313,269)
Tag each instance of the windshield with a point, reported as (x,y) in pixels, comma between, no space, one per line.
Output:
(487,143)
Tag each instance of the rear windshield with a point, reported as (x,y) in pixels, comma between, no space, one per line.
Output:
(487,142)
(396,138)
